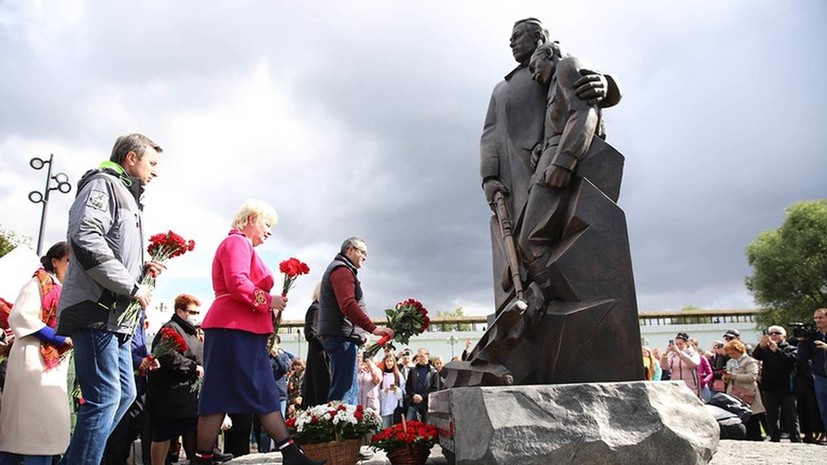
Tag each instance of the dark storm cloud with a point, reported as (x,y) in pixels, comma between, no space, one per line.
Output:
(721,123)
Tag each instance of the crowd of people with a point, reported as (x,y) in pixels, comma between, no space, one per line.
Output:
(227,374)
(174,390)
(776,389)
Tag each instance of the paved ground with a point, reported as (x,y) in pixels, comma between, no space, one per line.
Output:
(729,453)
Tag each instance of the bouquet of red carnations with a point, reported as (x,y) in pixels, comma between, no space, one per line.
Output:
(408,318)
(292,268)
(161,248)
(169,342)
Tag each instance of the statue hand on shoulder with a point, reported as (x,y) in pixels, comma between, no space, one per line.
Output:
(557,176)
(592,86)
(491,186)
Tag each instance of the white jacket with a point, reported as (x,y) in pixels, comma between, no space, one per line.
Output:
(390,399)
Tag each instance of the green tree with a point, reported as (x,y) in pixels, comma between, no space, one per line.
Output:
(789,264)
(459,326)
(9,240)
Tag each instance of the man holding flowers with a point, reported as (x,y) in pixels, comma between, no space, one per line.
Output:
(105,236)
(341,315)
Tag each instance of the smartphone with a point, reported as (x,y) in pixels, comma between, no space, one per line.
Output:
(671,342)
(765,332)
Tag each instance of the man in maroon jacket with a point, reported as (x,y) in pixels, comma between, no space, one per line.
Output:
(342,318)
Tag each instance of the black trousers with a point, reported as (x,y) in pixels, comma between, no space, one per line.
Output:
(784,404)
(753,426)
(237,438)
(134,423)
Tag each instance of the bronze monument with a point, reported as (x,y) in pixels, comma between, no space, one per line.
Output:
(566,310)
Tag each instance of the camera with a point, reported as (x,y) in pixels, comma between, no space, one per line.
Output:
(802,331)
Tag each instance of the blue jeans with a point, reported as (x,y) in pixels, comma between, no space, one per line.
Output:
(7,458)
(419,413)
(821,396)
(344,385)
(103,364)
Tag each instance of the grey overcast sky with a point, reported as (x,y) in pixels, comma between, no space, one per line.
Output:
(363,118)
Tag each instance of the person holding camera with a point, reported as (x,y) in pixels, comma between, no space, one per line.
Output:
(682,361)
(812,347)
(392,390)
(778,364)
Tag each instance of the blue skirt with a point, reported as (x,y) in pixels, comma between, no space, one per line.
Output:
(238,374)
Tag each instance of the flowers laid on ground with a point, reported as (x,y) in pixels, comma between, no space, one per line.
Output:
(408,434)
(169,342)
(161,248)
(407,319)
(333,421)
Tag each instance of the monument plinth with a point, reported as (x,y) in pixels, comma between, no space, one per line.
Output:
(612,423)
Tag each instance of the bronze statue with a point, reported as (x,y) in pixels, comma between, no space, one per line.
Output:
(568,312)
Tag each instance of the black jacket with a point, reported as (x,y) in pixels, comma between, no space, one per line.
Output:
(170,388)
(431,385)
(776,368)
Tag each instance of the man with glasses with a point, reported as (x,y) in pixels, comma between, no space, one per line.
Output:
(732,334)
(343,319)
(777,371)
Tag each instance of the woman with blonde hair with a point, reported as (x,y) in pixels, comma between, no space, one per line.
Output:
(741,377)
(238,377)
(651,367)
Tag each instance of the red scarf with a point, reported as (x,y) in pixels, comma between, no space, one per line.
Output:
(49,296)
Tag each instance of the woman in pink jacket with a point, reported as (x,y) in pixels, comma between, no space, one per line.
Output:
(237,373)
(682,362)
(705,373)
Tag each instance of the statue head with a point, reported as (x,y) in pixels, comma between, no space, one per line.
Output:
(526,36)
(544,61)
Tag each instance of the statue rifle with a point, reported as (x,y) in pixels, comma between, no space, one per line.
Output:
(504,218)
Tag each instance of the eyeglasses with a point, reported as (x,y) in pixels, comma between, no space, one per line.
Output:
(776,333)
(729,338)
(363,253)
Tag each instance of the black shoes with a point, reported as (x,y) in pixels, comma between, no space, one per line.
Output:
(220,457)
(293,455)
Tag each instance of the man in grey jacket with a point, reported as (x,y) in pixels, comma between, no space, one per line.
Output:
(106,240)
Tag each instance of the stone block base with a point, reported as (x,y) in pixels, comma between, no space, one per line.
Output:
(593,423)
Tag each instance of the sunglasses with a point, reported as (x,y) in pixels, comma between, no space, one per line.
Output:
(776,333)
(729,338)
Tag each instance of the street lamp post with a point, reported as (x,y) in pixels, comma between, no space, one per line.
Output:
(43,197)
